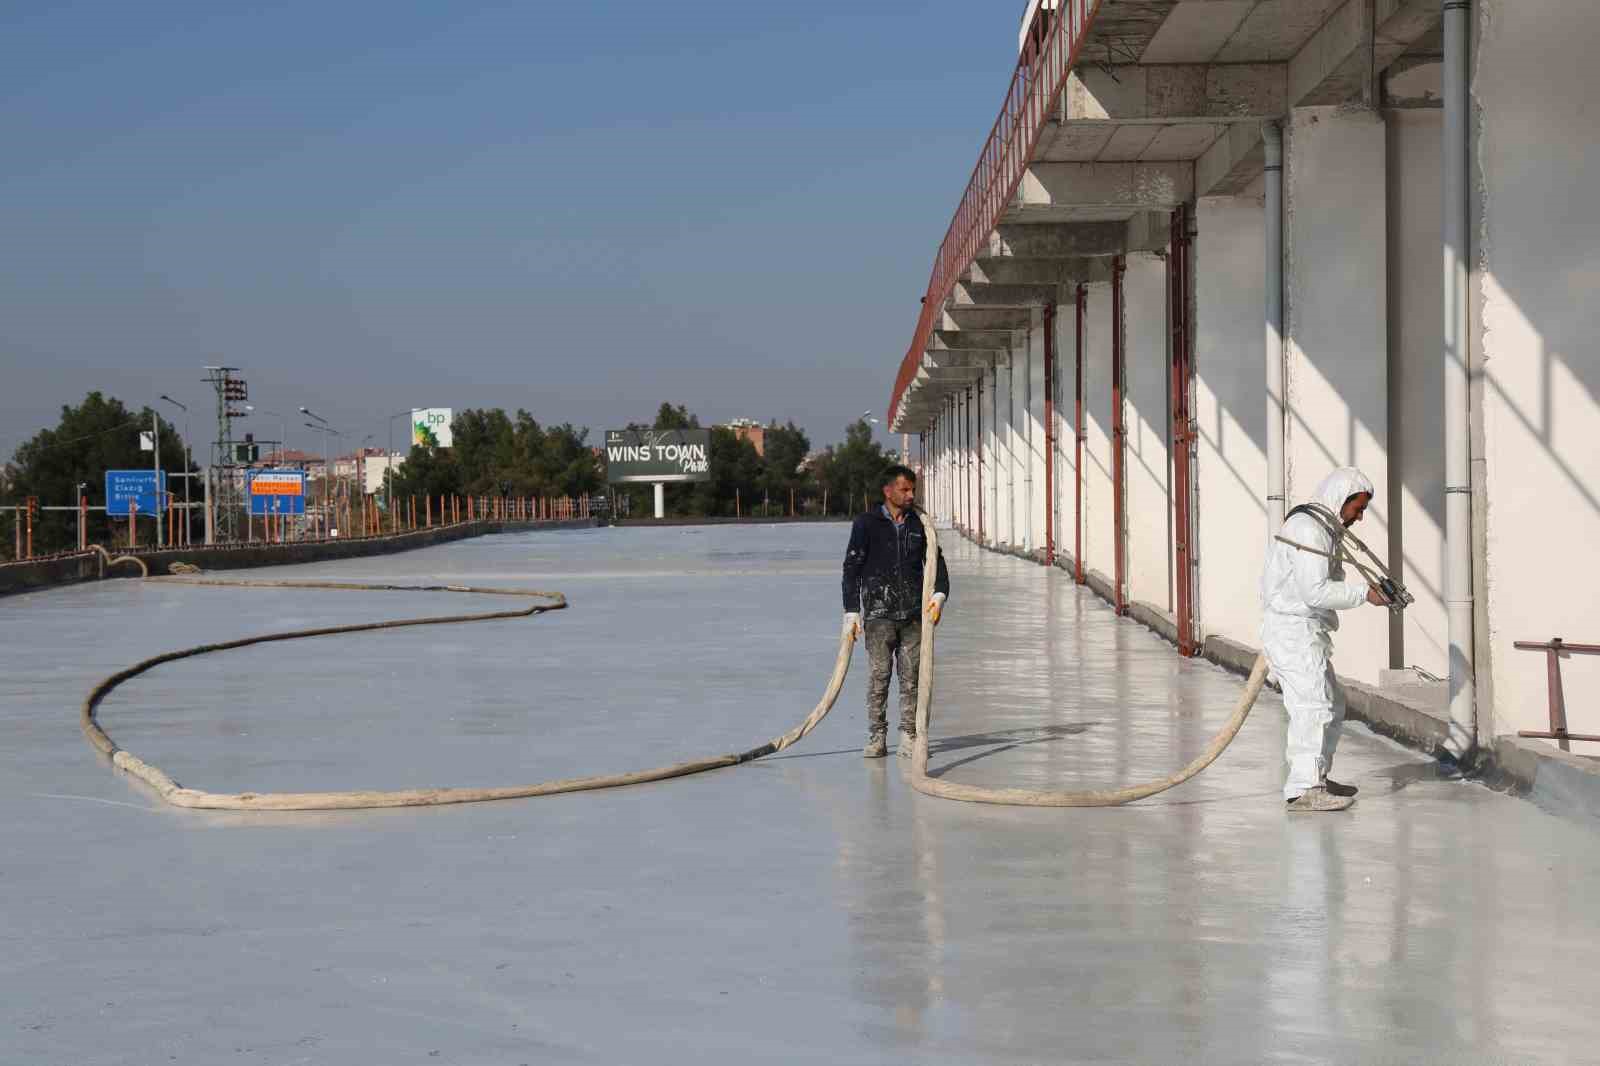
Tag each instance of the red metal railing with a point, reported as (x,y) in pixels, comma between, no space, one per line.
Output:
(1036,84)
(1553,650)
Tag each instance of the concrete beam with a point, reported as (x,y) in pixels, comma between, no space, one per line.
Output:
(1076,240)
(1138,186)
(985,318)
(979,294)
(1198,92)
(946,359)
(1333,68)
(1232,163)
(1003,270)
(969,339)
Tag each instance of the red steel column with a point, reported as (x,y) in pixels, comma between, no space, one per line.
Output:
(1119,502)
(1077,431)
(1178,279)
(1049,434)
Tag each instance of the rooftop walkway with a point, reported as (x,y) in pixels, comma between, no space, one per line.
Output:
(809,907)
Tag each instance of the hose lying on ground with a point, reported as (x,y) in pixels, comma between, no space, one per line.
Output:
(1029,797)
(175,794)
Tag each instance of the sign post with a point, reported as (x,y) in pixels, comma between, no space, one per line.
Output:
(274,495)
(658,456)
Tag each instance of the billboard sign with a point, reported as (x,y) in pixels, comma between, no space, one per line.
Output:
(635,455)
(138,486)
(274,492)
(431,426)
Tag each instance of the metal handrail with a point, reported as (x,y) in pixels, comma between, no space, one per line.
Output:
(1554,649)
(1036,84)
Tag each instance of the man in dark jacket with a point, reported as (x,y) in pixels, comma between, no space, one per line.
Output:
(883,598)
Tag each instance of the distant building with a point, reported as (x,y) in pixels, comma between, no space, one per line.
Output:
(750,430)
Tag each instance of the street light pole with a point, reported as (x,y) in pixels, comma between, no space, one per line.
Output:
(388,471)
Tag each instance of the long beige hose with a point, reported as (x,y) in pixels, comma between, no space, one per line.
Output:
(1030,797)
(177,795)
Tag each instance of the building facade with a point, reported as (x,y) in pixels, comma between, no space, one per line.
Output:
(1215,248)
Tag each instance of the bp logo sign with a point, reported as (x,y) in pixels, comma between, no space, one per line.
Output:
(658,455)
(430,426)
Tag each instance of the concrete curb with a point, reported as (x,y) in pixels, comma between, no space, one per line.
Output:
(1558,782)
(38,575)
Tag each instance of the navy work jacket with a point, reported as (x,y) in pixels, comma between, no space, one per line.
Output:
(883,567)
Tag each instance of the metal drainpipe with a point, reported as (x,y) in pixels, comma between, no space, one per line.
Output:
(1119,500)
(1049,434)
(1457,399)
(1272,136)
(1077,432)
(1011,448)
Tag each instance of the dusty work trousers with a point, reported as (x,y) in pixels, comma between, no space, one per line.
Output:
(896,645)
(1300,652)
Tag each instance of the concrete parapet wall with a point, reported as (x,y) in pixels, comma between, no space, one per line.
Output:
(40,574)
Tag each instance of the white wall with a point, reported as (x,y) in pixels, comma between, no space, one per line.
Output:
(1148,373)
(1335,303)
(1097,498)
(1539,151)
(1416,399)
(1230,410)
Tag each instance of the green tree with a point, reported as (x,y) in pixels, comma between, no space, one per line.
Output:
(786,448)
(97,435)
(850,471)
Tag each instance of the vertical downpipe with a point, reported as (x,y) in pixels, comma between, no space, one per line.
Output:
(1049,434)
(1272,136)
(1463,737)
(1119,500)
(1077,445)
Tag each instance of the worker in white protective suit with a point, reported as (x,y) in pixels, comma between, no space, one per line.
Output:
(1301,589)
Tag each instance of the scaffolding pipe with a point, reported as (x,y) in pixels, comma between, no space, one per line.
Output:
(1272,137)
(1119,439)
(1463,736)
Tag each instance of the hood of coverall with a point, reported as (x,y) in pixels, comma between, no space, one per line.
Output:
(1339,486)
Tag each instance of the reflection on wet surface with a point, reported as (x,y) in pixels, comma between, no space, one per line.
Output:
(805,908)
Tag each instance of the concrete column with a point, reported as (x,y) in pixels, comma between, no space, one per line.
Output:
(1231,450)
(1336,364)
(1097,496)
(661,499)
(1149,498)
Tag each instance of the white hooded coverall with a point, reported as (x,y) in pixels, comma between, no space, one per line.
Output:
(1300,591)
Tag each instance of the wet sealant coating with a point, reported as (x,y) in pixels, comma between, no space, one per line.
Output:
(809,907)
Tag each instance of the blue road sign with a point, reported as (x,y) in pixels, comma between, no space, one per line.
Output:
(140,486)
(275,492)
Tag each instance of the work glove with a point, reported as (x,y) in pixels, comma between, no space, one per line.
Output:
(852,625)
(935,607)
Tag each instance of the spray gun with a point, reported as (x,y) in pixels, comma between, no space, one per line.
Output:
(1375,572)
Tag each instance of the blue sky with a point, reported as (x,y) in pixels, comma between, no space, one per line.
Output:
(580,209)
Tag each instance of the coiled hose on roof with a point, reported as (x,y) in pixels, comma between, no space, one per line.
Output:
(172,792)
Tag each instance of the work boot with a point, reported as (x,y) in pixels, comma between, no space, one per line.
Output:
(876,747)
(1336,789)
(908,741)
(1320,799)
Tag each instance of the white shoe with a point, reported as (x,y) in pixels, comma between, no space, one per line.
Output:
(1320,799)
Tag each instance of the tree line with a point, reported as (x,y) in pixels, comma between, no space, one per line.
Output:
(493,454)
